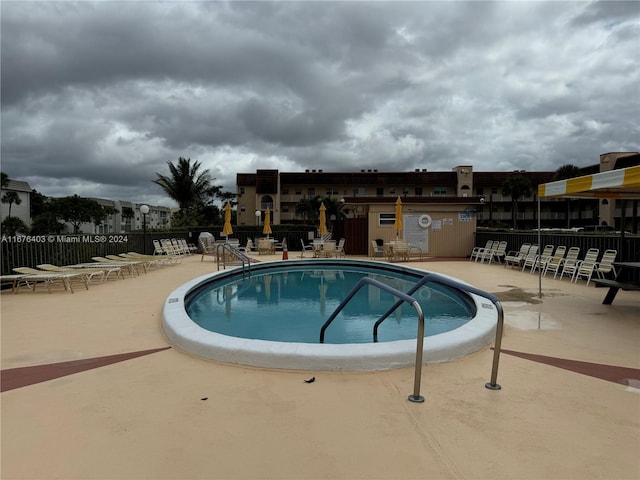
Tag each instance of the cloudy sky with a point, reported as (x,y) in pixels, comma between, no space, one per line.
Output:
(98,96)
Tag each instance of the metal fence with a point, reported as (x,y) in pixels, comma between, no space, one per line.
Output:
(30,251)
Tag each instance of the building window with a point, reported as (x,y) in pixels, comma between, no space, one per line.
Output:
(359,191)
(439,190)
(387,219)
(480,191)
(298,192)
(418,191)
(494,190)
(311,191)
(379,191)
(241,190)
(285,191)
(405,190)
(242,208)
(392,191)
(331,192)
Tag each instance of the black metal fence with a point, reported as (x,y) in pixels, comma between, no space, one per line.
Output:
(29,251)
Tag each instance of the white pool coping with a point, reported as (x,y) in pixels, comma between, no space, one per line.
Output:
(187,336)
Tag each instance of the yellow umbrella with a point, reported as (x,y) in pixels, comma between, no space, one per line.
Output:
(398,223)
(227,230)
(322,229)
(267,220)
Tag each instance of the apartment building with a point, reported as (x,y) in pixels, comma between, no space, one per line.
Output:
(455,202)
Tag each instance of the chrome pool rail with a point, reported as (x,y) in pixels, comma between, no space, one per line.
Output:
(415,397)
(406,297)
(239,256)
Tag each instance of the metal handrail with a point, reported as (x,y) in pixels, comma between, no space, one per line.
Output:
(234,252)
(405,297)
(384,316)
(434,277)
(415,397)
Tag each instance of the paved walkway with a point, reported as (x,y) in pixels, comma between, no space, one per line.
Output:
(118,402)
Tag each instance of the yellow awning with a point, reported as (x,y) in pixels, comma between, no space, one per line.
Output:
(622,183)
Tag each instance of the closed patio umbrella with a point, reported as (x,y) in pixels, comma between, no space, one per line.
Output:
(322,229)
(267,221)
(227,230)
(398,223)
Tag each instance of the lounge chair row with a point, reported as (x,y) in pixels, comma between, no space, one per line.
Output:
(84,274)
(562,261)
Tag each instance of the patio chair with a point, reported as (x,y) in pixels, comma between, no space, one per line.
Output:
(305,248)
(498,252)
(570,263)
(478,252)
(554,263)
(207,245)
(543,258)
(340,248)
(515,257)
(605,265)
(329,249)
(586,266)
(376,250)
(248,248)
(530,258)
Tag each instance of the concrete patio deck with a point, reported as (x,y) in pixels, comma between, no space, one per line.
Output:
(566,410)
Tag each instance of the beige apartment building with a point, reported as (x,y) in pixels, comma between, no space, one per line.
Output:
(441,209)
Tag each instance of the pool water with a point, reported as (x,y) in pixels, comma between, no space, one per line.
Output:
(292,304)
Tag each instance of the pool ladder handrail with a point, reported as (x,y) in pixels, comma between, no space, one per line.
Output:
(415,397)
(492,385)
(434,277)
(234,252)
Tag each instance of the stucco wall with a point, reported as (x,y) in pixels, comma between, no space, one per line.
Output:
(449,234)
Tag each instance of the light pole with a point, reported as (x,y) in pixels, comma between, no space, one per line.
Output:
(258,215)
(144,209)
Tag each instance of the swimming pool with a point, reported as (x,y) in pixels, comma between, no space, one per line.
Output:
(206,317)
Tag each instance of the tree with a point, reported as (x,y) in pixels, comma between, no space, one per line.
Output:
(13,225)
(11,198)
(76,210)
(309,209)
(5,179)
(44,219)
(101,213)
(564,173)
(187,185)
(516,186)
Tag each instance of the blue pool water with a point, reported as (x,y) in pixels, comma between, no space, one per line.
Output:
(290,304)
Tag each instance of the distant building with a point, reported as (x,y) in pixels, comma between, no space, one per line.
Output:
(158,217)
(455,201)
(23,210)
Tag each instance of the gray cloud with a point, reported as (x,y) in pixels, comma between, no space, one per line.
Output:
(98,96)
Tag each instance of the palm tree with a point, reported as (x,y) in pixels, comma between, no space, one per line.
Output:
(11,198)
(309,209)
(516,186)
(4,179)
(563,173)
(186,184)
